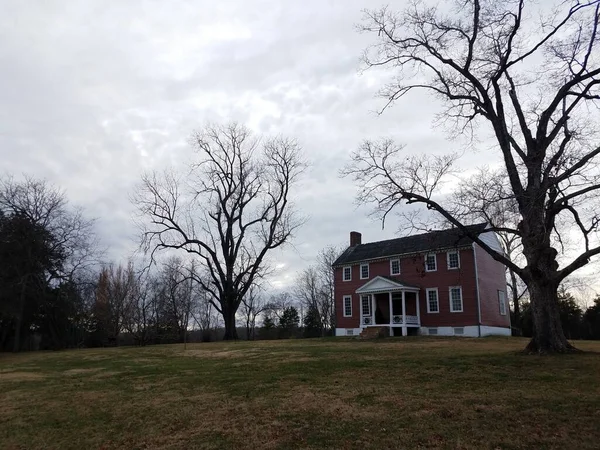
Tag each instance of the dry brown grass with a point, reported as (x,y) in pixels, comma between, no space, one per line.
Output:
(394,393)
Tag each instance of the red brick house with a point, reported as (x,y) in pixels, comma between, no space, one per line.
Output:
(438,283)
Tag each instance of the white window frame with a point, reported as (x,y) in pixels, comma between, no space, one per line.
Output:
(462,306)
(361,271)
(369,303)
(344,273)
(454,252)
(502,302)
(434,260)
(347,297)
(392,261)
(437,295)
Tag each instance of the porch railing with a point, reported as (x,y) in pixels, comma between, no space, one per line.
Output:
(410,320)
(396,320)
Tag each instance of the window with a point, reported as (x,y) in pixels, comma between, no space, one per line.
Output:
(430,263)
(366,305)
(433,304)
(349,332)
(347,306)
(395,267)
(347,273)
(432,331)
(459,331)
(364,271)
(453,260)
(456,302)
(502,302)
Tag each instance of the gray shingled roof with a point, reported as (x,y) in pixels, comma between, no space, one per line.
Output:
(419,243)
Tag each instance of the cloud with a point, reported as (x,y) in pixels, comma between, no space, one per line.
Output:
(95,93)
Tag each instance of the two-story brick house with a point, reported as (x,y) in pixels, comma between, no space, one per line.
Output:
(438,283)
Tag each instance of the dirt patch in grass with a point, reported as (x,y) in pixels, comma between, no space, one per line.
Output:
(81,371)
(20,376)
(225,354)
(105,374)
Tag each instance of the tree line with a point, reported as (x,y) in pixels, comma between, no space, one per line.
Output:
(56,290)
(577,322)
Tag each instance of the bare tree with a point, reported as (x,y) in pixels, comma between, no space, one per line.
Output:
(233,209)
(73,236)
(315,289)
(253,305)
(60,241)
(310,293)
(536,86)
(204,312)
(114,292)
(279,302)
(178,280)
(486,196)
(325,260)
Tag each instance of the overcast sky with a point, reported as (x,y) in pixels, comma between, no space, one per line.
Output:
(95,92)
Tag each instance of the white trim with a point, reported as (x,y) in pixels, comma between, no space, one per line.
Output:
(344,273)
(391,267)
(453,252)
(437,295)
(502,302)
(361,271)
(381,284)
(462,306)
(347,297)
(427,255)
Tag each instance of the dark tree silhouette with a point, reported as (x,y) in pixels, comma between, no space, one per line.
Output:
(230,211)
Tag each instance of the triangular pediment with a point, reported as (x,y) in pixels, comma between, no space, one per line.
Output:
(382,284)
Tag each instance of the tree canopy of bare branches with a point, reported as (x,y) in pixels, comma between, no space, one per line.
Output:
(315,289)
(229,211)
(535,84)
(46,206)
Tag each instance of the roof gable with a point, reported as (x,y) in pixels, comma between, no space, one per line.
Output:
(383,284)
(420,243)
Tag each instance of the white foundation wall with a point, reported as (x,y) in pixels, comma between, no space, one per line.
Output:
(494,331)
(468,331)
(347,331)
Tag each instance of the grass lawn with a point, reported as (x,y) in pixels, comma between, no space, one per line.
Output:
(334,393)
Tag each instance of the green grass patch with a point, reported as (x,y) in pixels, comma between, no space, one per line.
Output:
(321,393)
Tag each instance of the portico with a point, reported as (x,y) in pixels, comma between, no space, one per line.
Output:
(386,301)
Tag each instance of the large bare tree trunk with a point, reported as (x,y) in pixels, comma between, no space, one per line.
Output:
(515,298)
(19,324)
(548,335)
(230,328)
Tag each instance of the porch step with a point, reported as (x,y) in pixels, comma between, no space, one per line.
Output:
(375,332)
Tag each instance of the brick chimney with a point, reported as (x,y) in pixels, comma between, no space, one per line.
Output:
(355,238)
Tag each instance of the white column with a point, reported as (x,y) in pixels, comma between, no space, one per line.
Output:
(404,330)
(360,309)
(391,311)
(373,308)
(418,310)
